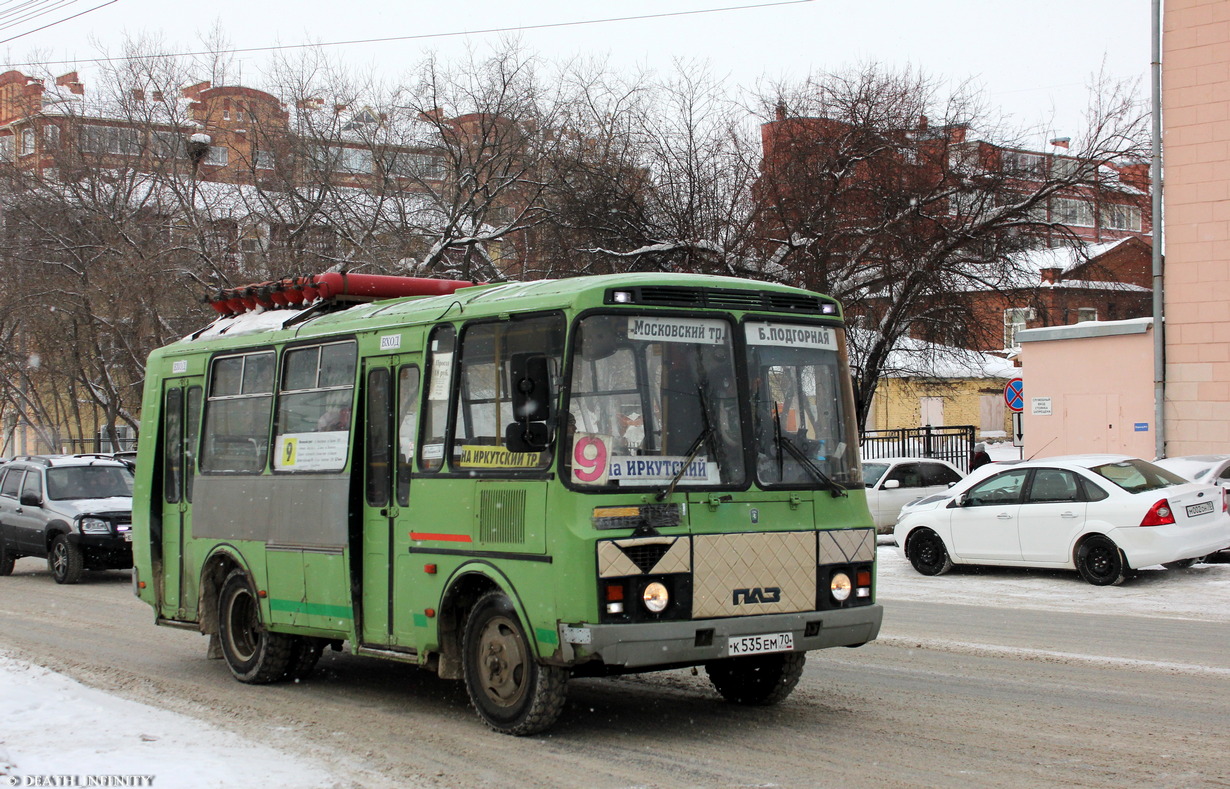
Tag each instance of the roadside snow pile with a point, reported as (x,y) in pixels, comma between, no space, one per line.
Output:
(1200,592)
(57,732)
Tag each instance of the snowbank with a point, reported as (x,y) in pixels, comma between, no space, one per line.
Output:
(58,732)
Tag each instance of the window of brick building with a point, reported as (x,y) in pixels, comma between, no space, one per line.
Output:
(1121,217)
(1015,319)
(110,139)
(217,156)
(1076,213)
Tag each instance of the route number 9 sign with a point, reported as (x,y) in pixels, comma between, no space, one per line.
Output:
(590,458)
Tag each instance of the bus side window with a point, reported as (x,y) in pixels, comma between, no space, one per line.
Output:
(237,413)
(497,360)
(435,415)
(379,469)
(407,429)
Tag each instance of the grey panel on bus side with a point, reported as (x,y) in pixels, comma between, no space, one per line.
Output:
(299,510)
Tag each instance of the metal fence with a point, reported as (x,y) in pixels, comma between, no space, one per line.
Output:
(76,445)
(954,443)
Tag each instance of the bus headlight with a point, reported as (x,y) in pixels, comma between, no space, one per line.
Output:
(840,587)
(656,597)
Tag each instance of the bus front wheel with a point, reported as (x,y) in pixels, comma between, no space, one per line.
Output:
(757,680)
(511,691)
(254,654)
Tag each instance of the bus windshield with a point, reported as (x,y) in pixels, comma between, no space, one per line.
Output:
(654,400)
(802,411)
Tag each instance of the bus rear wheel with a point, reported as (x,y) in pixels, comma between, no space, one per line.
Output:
(757,680)
(510,690)
(254,655)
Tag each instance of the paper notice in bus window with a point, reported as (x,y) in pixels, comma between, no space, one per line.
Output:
(433,451)
(791,336)
(441,369)
(663,329)
(497,457)
(311,451)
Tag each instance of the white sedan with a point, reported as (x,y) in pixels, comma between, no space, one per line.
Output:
(1102,515)
(893,483)
(1210,469)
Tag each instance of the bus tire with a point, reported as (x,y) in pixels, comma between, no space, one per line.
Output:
(305,651)
(254,654)
(65,561)
(757,680)
(510,690)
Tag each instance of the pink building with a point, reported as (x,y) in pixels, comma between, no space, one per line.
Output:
(1088,387)
(1196,114)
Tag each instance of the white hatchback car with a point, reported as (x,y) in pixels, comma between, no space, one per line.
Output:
(1102,515)
(893,483)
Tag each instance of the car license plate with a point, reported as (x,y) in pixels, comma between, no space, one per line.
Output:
(1203,508)
(755,645)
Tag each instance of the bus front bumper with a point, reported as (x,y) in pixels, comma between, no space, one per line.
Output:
(702,640)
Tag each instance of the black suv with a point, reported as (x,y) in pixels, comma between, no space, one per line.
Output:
(75,510)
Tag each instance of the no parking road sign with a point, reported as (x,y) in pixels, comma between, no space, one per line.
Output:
(1013,396)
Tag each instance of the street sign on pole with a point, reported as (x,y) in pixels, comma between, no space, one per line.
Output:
(1013,396)
(1018,435)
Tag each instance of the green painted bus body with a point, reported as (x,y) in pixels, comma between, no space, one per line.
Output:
(450,537)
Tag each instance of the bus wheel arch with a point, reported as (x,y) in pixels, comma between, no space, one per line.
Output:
(213,574)
(463,594)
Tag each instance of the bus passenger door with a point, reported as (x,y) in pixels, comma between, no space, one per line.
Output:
(391,389)
(180,428)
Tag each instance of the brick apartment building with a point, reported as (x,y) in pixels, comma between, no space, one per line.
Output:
(1104,275)
(237,145)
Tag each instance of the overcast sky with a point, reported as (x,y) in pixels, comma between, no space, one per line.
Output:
(1033,59)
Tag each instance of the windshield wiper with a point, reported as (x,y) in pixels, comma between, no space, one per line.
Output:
(787,443)
(705,434)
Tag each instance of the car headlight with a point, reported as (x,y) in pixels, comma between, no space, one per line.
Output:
(95,526)
(656,597)
(840,587)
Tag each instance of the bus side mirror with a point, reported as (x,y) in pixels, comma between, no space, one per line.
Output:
(531,387)
(527,437)
(531,402)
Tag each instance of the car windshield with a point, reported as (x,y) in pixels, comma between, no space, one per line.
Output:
(1137,476)
(88,482)
(872,473)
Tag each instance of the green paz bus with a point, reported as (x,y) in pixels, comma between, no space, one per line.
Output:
(510,484)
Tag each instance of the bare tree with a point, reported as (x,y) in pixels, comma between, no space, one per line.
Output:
(875,190)
(658,177)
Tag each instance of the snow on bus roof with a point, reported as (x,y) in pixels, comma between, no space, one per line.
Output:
(245,323)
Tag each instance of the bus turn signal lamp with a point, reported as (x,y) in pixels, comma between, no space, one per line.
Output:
(863,583)
(615,599)
(1159,515)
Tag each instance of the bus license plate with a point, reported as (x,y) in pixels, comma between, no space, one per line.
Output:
(755,645)
(1202,508)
